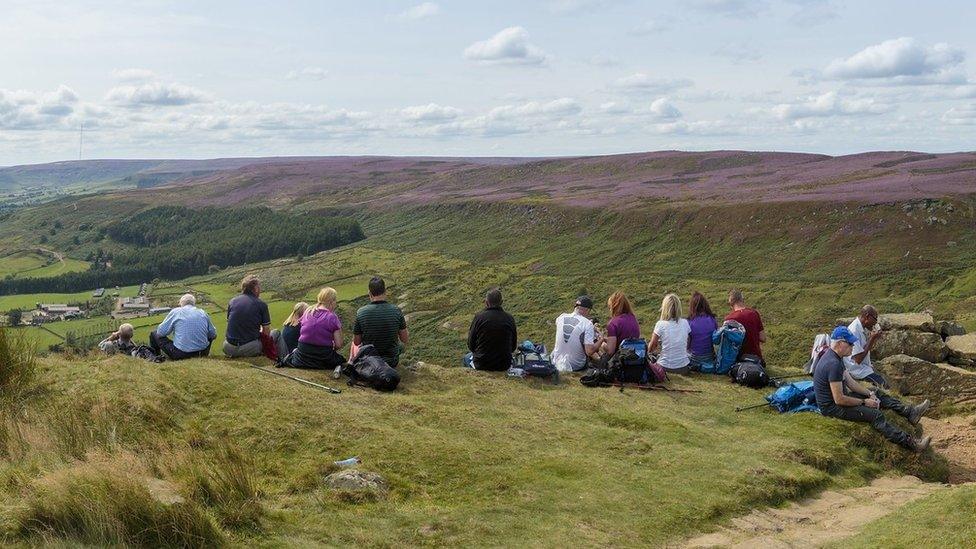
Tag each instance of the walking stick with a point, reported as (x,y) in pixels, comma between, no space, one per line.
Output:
(742,408)
(298,379)
(648,387)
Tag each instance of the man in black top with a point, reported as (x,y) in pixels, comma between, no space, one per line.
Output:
(839,395)
(247,318)
(492,338)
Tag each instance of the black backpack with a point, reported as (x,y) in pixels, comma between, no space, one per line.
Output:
(750,373)
(146,353)
(372,371)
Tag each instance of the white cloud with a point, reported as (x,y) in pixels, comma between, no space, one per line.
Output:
(826,105)
(663,109)
(563,106)
(964,115)
(156,94)
(431,112)
(612,107)
(307,73)
(26,110)
(900,58)
(650,26)
(576,6)
(739,9)
(421,11)
(133,75)
(644,83)
(509,46)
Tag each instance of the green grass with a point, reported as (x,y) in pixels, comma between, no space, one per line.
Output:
(23,264)
(28,301)
(469,456)
(944,519)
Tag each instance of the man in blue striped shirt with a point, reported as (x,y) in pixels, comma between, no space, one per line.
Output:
(192,330)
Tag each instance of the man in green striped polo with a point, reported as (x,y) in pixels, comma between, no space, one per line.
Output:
(381,324)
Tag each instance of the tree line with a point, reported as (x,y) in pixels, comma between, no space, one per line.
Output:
(172,242)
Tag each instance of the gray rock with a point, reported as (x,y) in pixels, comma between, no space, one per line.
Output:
(962,347)
(924,345)
(922,322)
(942,383)
(357,481)
(948,329)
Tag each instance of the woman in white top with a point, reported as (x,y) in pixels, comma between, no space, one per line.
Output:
(671,334)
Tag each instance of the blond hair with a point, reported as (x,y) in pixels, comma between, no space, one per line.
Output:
(619,304)
(671,307)
(327,298)
(295,318)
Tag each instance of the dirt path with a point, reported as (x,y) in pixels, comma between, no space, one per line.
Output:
(835,515)
(831,516)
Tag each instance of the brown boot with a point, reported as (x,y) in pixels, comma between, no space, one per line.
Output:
(919,445)
(918,412)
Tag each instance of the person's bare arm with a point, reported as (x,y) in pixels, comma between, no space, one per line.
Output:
(266,329)
(655,340)
(837,391)
(611,343)
(855,386)
(404,336)
(357,339)
(762,336)
(872,339)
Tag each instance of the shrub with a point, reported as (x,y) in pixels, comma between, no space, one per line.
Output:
(101,506)
(17,364)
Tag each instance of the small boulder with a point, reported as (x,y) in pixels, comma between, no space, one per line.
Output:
(942,383)
(948,329)
(352,480)
(922,322)
(924,345)
(962,349)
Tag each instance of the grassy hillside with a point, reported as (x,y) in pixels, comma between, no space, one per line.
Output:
(470,458)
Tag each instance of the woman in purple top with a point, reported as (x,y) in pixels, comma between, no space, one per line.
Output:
(320,336)
(623,324)
(703,324)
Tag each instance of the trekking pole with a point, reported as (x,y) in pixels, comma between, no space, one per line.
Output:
(649,388)
(298,379)
(794,376)
(743,408)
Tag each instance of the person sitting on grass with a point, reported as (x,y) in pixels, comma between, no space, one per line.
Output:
(623,324)
(247,319)
(671,335)
(577,343)
(701,319)
(380,324)
(192,330)
(859,363)
(120,341)
(492,337)
(321,335)
(286,339)
(840,396)
(750,319)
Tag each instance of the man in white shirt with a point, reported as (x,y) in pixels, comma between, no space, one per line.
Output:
(576,337)
(858,364)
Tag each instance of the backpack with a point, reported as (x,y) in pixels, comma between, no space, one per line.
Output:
(370,370)
(749,373)
(729,339)
(532,360)
(630,364)
(820,344)
(794,397)
(146,353)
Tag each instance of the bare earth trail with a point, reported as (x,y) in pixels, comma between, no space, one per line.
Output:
(838,514)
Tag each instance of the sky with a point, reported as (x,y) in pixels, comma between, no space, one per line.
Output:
(217,78)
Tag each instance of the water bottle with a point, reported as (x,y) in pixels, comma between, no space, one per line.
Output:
(351,462)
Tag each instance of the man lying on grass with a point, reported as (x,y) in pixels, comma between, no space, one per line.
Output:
(839,395)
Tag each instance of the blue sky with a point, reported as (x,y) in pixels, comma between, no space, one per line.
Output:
(151,79)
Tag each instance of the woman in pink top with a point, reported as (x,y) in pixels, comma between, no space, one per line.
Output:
(320,336)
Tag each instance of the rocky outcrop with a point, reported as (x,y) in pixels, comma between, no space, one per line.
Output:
(944,384)
(922,322)
(949,329)
(962,350)
(352,480)
(924,345)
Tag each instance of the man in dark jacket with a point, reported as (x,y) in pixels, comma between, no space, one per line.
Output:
(492,338)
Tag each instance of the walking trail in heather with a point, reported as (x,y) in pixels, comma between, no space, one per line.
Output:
(837,514)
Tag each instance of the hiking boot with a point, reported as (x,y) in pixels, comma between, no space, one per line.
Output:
(918,412)
(919,445)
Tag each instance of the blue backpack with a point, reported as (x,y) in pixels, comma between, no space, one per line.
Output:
(794,397)
(729,339)
(532,360)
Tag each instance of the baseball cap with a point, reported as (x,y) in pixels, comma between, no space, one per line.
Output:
(841,333)
(584,301)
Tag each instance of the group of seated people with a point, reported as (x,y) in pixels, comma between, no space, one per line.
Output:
(845,383)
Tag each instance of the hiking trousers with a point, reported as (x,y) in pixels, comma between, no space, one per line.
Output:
(876,418)
(163,345)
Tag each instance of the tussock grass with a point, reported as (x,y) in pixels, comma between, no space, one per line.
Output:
(101,505)
(223,480)
(17,364)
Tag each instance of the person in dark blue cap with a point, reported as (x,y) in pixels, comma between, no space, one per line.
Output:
(839,395)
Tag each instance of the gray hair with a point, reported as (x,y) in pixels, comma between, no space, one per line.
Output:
(187,299)
(126,330)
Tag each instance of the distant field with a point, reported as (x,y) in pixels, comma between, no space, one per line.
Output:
(28,301)
(26,263)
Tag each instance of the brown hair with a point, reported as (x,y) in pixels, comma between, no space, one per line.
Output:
(248,283)
(698,306)
(619,304)
(295,318)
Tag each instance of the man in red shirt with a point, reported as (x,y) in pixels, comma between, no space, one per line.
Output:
(755,334)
